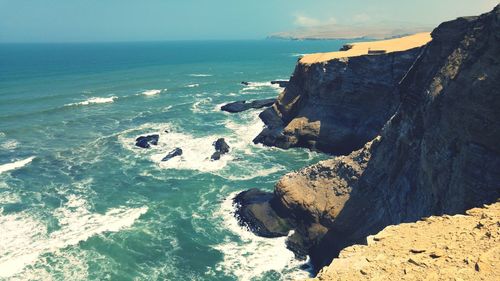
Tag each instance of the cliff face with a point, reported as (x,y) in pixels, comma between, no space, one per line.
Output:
(338,105)
(438,154)
(436,248)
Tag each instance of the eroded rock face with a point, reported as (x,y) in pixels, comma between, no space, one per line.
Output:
(337,106)
(439,153)
(436,248)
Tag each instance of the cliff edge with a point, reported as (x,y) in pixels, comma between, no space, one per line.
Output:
(438,154)
(336,102)
(461,247)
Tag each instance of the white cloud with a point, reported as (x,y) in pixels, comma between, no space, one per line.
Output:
(305,21)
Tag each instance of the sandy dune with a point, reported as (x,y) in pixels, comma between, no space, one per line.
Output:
(361,48)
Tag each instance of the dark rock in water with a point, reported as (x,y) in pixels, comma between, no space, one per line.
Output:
(147,141)
(172,154)
(281,83)
(221,147)
(255,211)
(216,156)
(240,106)
(245,83)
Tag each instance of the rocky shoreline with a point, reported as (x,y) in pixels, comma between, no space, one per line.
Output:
(419,131)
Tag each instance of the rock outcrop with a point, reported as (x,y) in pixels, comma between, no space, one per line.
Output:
(439,153)
(338,105)
(221,148)
(255,211)
(239,106)
(147,141)
(174,153)
(436,248)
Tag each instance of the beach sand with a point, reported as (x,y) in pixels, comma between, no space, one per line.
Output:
(361,48)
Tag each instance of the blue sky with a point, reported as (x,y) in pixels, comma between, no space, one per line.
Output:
(154,20)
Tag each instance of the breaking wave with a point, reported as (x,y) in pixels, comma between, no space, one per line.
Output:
(15,165)
(94,100)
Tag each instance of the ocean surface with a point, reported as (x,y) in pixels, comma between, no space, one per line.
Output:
(78,201)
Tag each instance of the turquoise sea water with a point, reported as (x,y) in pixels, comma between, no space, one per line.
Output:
(79,202)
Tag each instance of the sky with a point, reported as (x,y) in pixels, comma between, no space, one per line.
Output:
(161,20)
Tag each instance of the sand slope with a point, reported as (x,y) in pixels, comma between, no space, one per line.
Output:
(359,49)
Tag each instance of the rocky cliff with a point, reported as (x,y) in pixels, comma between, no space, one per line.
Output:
(461,247)
(438,154)
(336,106)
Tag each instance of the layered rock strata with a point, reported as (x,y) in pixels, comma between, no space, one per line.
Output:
(439,154)
(336,106)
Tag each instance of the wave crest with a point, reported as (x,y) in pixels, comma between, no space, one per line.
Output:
(15,165)
(94,100)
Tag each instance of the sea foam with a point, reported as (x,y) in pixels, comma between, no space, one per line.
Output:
(253,256)
(151,92)
(256,87)
(15,165)
(94,100)
(24,238)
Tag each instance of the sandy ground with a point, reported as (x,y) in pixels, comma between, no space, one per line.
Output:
(361,48)
(461,247)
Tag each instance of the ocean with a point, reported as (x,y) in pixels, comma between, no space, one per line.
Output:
(78,201)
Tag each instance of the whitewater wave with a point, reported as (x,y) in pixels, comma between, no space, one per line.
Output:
(94,100)
(297,55)
(10,144)
(202,105)
(254,256)
(196,150)
(238,164)
(192,85)
(258,86)
(15,165)
(200,75)
(151,92)
(25,238)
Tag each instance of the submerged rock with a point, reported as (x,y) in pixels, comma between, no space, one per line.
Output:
(254,210)
(240,106)
(172,154)
(221,148)
(147,141)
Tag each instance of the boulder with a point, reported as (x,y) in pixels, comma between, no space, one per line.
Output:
(221,147)
(254,210)
(172,154)
(147,141)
